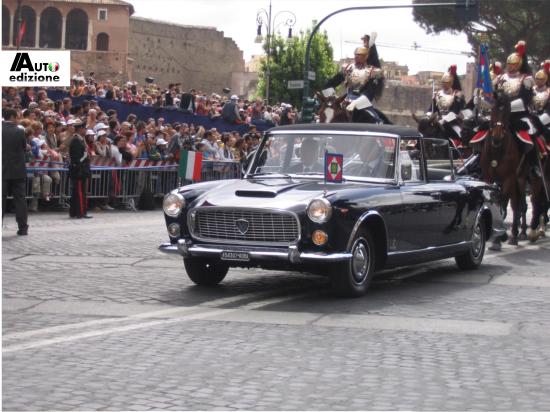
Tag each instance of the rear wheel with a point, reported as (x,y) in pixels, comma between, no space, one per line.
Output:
(472,259)
(352,278)
(205,272)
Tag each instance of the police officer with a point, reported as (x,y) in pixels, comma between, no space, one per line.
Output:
(79,172)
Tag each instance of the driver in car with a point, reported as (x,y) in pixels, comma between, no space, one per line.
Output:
(372,163)
(310,158)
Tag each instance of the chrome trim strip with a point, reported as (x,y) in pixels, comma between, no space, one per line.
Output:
(246,242)
(169,248)
(290,254)
(465,243)
(329,132)
(358,224)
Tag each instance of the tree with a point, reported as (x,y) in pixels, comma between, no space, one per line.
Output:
(287,63)
(504,22)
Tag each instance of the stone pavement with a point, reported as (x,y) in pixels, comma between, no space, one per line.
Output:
(95,318)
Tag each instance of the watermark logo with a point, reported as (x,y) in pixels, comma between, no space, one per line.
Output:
(35,68)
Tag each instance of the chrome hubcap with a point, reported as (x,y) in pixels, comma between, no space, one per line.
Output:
(477,241)
(360,261)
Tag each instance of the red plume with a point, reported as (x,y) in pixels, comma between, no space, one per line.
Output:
(546,67)
(452,69)
(520,48)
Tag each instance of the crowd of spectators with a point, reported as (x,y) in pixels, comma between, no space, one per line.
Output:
(49,126)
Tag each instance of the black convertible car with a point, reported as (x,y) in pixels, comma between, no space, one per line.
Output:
(399,203)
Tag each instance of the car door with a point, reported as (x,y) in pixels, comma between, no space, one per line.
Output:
(451,196)
(422,203)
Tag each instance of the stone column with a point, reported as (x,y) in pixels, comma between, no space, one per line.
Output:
(89,37)
(63,29)
(12,28)
(37,33)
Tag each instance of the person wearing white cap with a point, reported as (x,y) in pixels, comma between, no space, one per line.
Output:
(162,146)
(230,111)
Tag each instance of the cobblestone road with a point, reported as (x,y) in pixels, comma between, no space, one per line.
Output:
(95,318)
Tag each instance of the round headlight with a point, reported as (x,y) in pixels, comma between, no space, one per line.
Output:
(173,204)
(319,210)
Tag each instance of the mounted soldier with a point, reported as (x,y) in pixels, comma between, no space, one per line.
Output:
(541,107)
(448,102)
(364,81)
(517,83)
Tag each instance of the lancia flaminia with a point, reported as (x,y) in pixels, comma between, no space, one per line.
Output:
(397,202)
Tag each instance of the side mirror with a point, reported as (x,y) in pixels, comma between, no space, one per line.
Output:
(406,171)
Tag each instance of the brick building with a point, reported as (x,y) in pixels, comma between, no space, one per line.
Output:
(104,38)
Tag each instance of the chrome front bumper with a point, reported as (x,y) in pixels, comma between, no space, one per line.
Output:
(291,254)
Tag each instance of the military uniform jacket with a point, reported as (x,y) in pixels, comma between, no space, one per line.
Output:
(444,102)
(80,162)
(13,152)
(541,100)
(360,80)
(515,86)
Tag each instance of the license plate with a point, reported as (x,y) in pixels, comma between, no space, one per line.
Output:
(238,256)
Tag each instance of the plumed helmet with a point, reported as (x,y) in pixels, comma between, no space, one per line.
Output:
(361,50)
(519,57)
(542,74)
(451,77)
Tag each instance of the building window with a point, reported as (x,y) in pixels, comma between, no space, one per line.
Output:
(102,43)
(76,33)
(102,14)
(5,26)
(51,23)
(28,27)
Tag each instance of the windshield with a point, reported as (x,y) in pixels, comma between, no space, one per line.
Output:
(371,157)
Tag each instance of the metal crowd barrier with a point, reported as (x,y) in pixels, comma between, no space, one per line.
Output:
(123,183)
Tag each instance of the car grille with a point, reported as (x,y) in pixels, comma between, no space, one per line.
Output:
(263,226)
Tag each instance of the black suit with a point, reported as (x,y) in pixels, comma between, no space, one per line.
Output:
(14,172)
(79,172)
(187,103)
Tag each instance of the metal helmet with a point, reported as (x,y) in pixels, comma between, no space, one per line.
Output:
(541,75)
(361,50)
(514,58)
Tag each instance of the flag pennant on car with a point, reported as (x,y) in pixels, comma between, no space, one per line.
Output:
(334,167)
(483,74)
(190,165)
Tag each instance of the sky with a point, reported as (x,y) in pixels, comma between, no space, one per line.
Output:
(395,28)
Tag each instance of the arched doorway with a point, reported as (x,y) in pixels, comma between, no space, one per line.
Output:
(28,22)
(50,28)
(76,34)
(5,26)
(102,43)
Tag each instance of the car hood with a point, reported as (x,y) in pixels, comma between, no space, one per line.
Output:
(276,193)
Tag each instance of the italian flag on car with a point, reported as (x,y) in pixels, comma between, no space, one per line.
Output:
(190,165)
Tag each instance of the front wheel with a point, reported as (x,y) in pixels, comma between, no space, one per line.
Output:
(472,259)
(352,278)
(205,272)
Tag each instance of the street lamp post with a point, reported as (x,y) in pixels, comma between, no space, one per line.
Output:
(469,6)
(263,18)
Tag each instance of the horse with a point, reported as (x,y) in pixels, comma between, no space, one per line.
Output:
(430,127)
(502,162)
(332,109)
(540,201)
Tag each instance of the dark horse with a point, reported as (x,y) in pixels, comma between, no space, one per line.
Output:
(502,162)
(333,110)
(430,127)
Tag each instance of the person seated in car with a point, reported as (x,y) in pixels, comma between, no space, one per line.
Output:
(310,158)
(372,163)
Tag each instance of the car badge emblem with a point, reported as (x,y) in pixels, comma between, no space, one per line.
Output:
(242,226)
